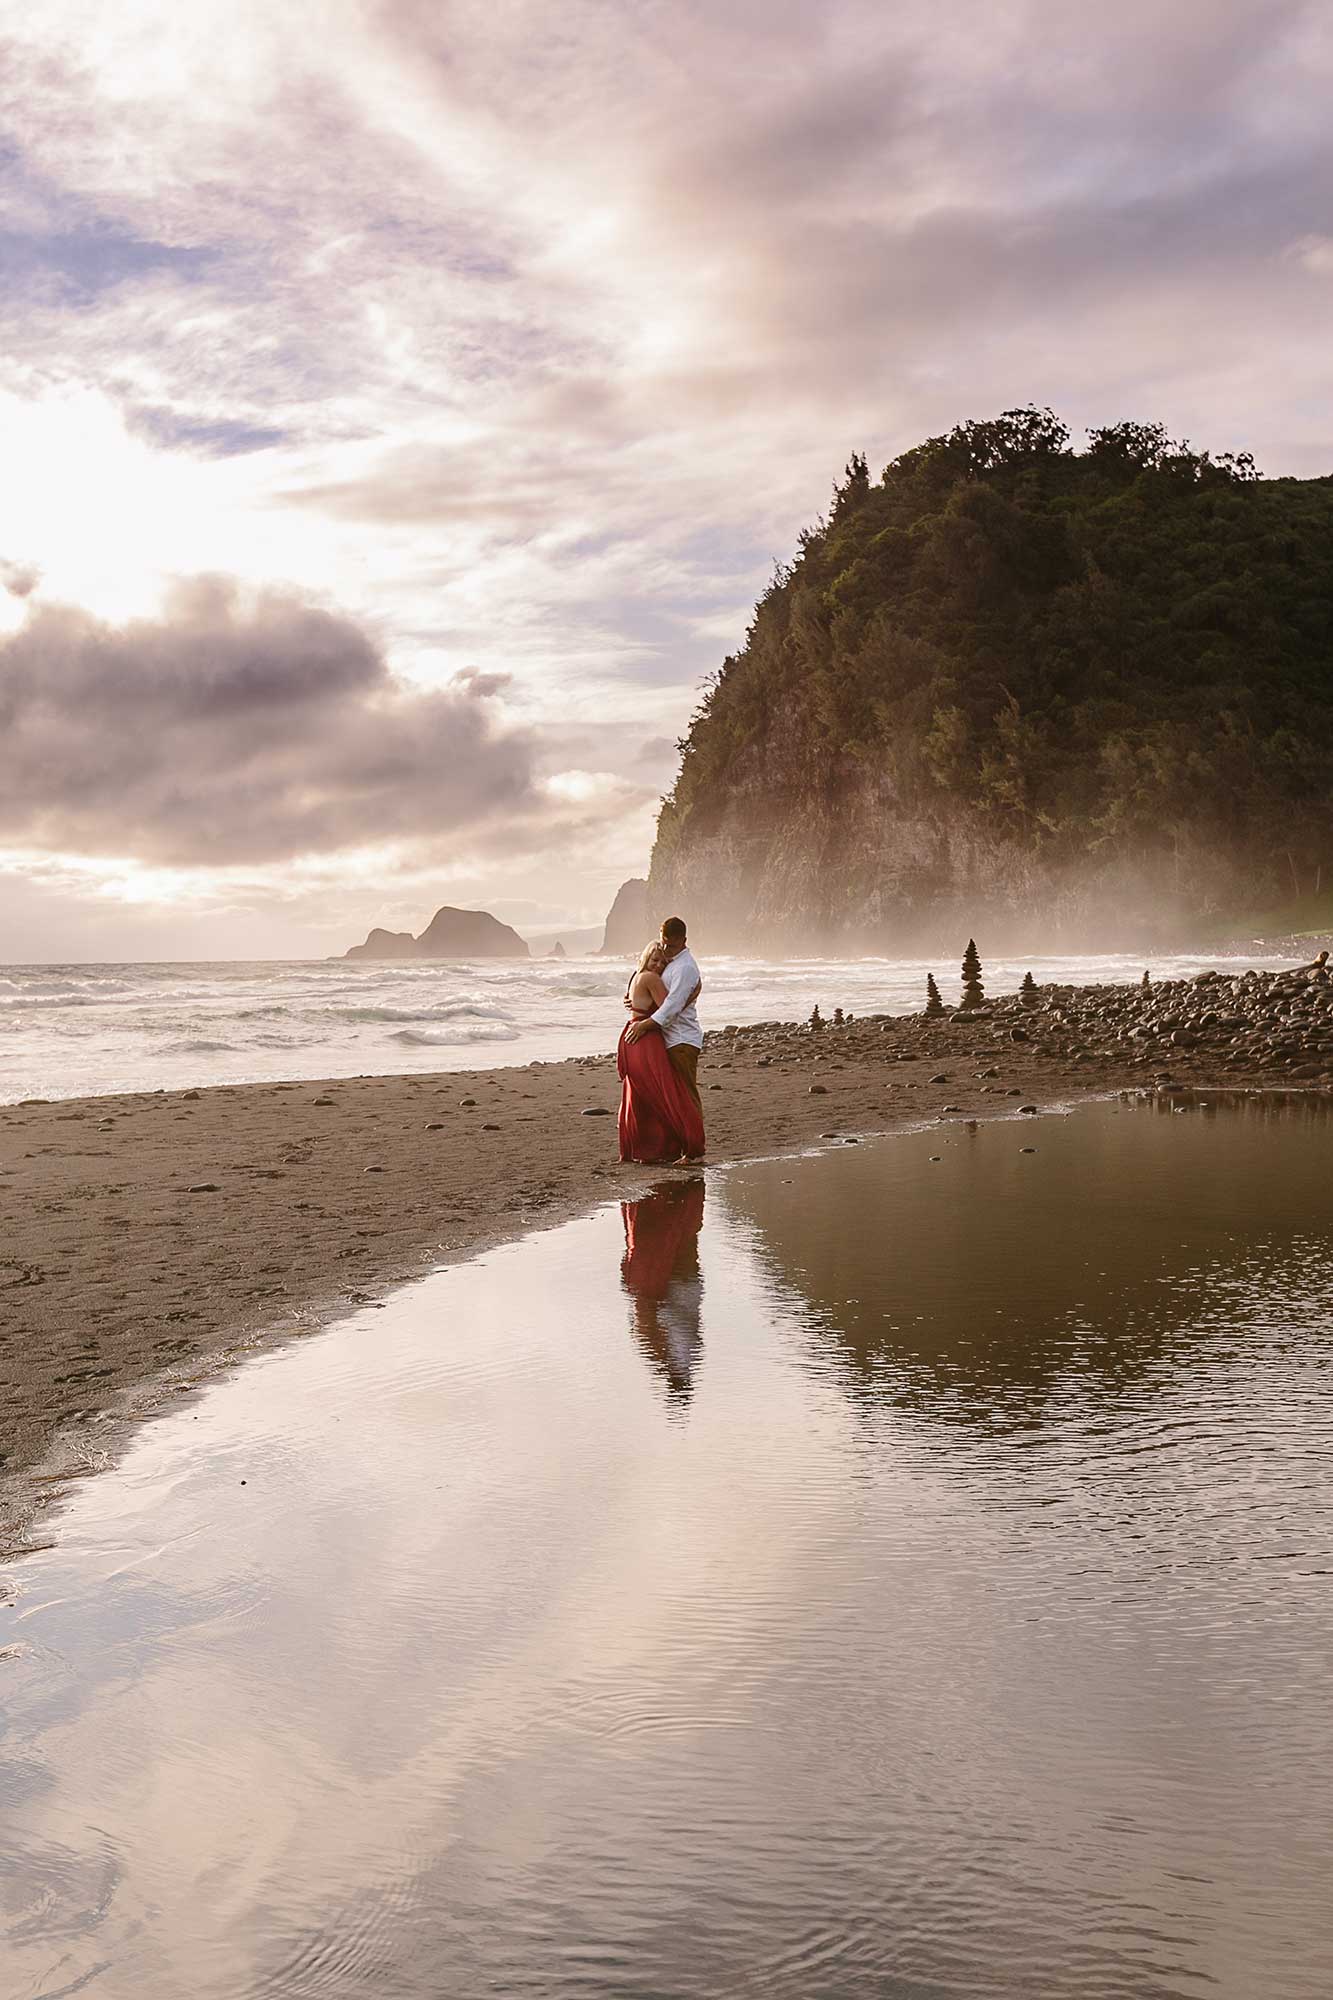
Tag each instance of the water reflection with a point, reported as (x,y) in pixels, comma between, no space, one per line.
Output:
(660,1271)
(433,1657)
(977,1286)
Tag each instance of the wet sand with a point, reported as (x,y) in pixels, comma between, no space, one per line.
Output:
(149,1239)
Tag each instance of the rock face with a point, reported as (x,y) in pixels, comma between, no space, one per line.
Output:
(386,944)
(449,934)
(1075,696)
(557,950)
(628,924)
(469,934)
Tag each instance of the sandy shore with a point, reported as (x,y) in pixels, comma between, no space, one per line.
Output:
(147,1240)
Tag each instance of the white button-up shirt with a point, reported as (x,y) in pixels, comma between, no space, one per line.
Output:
(680,1023)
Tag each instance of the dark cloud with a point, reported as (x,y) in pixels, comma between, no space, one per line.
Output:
(19,579)
(479,685)
(241,730)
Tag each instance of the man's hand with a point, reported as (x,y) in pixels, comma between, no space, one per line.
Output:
(636,1029)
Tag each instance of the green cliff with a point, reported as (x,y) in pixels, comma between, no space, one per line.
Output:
(1074,697)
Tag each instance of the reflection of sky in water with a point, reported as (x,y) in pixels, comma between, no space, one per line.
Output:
(910,1582)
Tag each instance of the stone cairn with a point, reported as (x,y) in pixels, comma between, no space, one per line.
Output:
(1254,1029)
(974,993)
(1027,992)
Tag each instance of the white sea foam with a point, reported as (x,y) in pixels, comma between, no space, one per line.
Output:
(75,1030)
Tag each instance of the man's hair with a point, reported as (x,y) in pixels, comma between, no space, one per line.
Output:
(673,930)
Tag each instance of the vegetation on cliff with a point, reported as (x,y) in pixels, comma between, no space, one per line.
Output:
(1009,665)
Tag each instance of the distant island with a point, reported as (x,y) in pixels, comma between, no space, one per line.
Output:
(1082,698)
(449,934)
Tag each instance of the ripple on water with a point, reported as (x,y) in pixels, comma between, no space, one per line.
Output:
(888,1583)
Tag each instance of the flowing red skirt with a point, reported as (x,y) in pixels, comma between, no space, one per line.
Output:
(659,1120)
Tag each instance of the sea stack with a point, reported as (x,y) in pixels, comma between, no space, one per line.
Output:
(449,934)
(385,944)
(628,923)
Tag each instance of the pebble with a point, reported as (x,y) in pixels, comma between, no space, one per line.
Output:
(596,1111)
(204,1187)
(818,1090)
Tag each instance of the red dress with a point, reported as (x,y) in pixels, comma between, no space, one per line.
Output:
(659,1120)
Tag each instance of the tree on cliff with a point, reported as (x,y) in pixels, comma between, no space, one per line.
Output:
(1009,664)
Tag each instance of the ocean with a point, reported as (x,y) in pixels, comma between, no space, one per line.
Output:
(89,1030)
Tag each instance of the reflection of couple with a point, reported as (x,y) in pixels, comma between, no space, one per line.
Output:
(661,1113)
(660,1271)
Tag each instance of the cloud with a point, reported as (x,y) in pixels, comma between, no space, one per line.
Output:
(19,579)
(532,337)
(240,729)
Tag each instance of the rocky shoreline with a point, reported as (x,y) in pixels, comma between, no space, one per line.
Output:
(150,1239)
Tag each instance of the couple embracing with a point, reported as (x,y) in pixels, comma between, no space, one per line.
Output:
(661,1113)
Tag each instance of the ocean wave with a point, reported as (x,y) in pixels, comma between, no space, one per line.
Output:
(31,987)
(48,1003)
(197,1048)
(414,1038)
(449,1010)
(585,986)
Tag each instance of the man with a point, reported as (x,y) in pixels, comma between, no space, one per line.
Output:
(676,1016)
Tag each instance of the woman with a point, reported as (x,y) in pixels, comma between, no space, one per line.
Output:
(659,1120)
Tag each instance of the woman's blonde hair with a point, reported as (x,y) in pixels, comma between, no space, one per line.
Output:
(649,951)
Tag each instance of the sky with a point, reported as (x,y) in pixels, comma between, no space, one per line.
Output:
(403,402)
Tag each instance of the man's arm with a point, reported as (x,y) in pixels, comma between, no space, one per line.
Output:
(678,994)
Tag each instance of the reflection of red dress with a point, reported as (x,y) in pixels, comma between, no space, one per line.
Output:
(660,1271)
(662,1238)
(659,1120)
